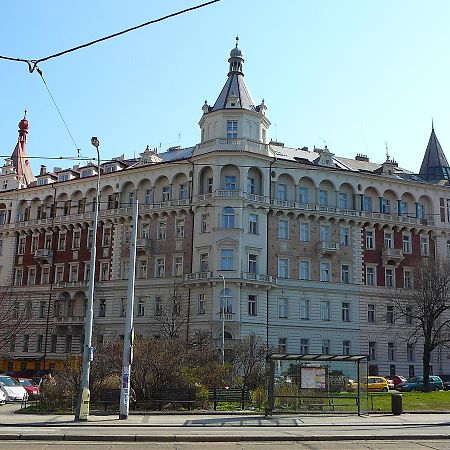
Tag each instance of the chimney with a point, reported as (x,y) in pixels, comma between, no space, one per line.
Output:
(43,170)
(360,157)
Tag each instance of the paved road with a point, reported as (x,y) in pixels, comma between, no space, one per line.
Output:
(349,445)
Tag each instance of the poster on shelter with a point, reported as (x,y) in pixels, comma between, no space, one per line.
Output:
(313,378)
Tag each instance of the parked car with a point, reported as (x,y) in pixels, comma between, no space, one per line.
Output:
(12,389)
(446,381)
(416,384)
(391,385)
(372,384)
(396,379)
(2,398)
(31,388)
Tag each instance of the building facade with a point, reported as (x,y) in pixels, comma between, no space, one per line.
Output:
(299,247)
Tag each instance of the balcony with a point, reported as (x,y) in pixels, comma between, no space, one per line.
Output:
(391,256)
(232,145)
(70,320)
(70,284)
(259,278)
(227,317)
(143,244)
(198,276)
(328,247)
(43,255)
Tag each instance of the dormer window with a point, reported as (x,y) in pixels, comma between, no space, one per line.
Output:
(63,177)
(5,185)
(42,181)
(110,169)
(232,129)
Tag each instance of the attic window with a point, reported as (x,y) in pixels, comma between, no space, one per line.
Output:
(63,177)
(42,181)
(233,104)
(86,173)
(110,169)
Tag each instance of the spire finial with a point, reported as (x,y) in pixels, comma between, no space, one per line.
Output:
(432,123)
(25,113)
(387,151)
(237,41)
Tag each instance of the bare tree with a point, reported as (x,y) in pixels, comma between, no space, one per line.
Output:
(248,359)
(172,315)
(425,309)
(15,314)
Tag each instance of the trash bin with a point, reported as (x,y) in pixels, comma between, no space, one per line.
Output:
(397,404)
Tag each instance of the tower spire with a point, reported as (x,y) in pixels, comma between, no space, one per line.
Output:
(19,155)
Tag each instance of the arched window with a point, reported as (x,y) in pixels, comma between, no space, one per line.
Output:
(226,301)
(228,335)
(228,217)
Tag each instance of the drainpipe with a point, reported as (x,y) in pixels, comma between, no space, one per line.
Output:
(191,192)
(267,255)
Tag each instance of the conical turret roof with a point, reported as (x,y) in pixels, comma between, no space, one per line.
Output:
(434,166)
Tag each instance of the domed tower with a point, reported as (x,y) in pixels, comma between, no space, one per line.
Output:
(234,114)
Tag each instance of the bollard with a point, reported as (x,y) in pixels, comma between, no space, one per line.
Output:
(397,404)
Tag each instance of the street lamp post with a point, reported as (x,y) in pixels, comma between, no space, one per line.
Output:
(82,412)
(223,319)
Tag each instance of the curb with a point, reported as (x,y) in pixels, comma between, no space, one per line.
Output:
(216,438)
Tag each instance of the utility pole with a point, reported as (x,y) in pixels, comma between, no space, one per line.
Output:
(82,412)
(223,319)
(129,332)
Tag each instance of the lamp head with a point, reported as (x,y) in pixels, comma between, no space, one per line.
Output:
(95,142)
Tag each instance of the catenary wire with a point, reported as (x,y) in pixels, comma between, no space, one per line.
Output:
(33,63)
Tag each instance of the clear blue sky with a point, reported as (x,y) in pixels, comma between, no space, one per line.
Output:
(352,73)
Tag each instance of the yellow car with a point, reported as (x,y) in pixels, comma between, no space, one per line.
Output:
(371,384)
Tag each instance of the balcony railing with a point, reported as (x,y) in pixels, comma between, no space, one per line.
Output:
(222,144)
(258,277)
(392,253)
(43,253)
(70,320)
(227,317)
(143,244)
(328,246)
(198,276)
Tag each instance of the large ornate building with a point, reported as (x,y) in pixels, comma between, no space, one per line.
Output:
(300,246)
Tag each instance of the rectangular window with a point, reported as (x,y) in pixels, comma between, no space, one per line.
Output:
(325,346)
(385,206)
(204,262)
(26,342)
(53,343)
(102,308)
(391,351)
(410,352)
(345,312)
(201,304)
(402,209)
(230,183)
(59,274)
(325,310)
(145,231)
(282,345)
(304,346)
(324,233)
(390,279)
(142,268)
(87,271)
(209,185)
(123,307)
(39,343)
(370,276)
(283,308)
(252,263)
(409,315)
(303,194)
(141,307)
(62,241)
(251,187)
(106,239)
(160,267)
(252,311)
(148,196)
(232,128)
(325,271)
(21,245)
(346,350)
(282,192)
(42,306)
(253,223)
(205,223)
(178,266)
(162,226)
(345,236)
(371,313)
(283,268)
(182,192)
(304,231)
(226,259)
(345,274)
(406,243)
(31,276)
(407,279)
(76,237)
(388,242)
(372,350)
(370,239)
(304,270)
(323,198)
(45,275)
(34,243)
(283,229)
(367,204)
(342,200)
(73,273)
(424,249)
(68,344)
(390,319)
(166,193)
(304,309)
(228,217)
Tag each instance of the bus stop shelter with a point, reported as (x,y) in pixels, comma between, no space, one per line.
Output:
(310,380)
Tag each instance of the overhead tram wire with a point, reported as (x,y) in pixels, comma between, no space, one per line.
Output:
(33,63)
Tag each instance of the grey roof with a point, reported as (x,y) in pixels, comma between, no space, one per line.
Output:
(434,165)
(314,357)
(235,86)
